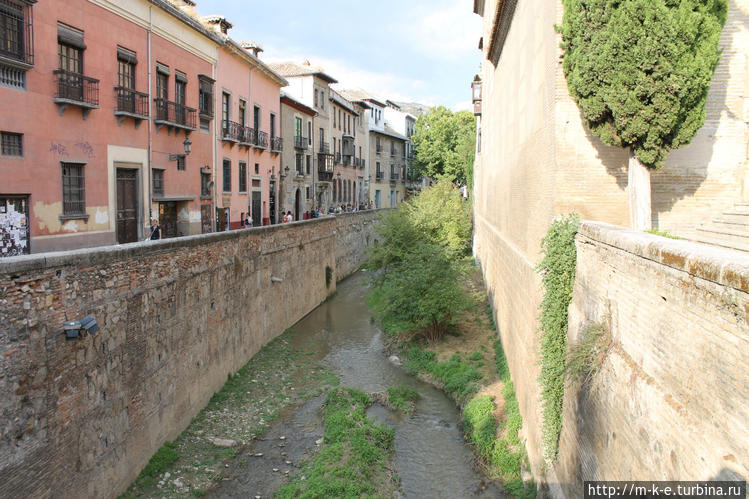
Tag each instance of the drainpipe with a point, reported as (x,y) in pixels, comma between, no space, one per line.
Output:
(214,135)
(150,117)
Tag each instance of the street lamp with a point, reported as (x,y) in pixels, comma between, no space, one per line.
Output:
(286,171)
(188,145)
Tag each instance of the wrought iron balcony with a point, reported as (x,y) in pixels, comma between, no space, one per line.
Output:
(394,176)
(379,148)
(174,114)
(301,142)
(261,139)
(276,144)
(247,138)
(325,147)
(74,89)
(378,175)
(324,167)
(231,131)
(130,103)
(393,151)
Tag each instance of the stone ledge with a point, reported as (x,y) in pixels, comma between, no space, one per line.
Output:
(722,266)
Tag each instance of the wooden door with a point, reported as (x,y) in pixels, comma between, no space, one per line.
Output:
(257,216)
(168,219)
(127,206)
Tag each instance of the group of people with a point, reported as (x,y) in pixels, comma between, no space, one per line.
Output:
(316,212)
(287,217)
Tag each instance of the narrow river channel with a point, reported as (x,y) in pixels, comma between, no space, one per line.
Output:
(431,457)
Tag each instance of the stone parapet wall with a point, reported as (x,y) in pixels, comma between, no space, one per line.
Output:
(356,233)
(81,418)
(671,400)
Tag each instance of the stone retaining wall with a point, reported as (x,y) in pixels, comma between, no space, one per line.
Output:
(672,398)
(81,418)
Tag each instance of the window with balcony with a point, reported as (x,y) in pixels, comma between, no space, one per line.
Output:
(73,190)
(16,43)
(242,116)
(205,101)
(157,180)
(129,101)
(73,87)
(12,144)
(227,175)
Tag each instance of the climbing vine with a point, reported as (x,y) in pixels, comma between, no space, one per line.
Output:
(557,269)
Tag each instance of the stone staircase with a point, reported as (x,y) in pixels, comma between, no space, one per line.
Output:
(729,230)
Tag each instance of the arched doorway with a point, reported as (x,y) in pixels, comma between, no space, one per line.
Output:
(297,204)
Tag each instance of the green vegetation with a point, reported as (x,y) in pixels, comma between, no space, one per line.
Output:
(354,458)
(249,401)
(402,398)
(585,357)
(421,268)
(417,292)
(557,269)
(445,143)
(662,233)
(641,69)
(458,378)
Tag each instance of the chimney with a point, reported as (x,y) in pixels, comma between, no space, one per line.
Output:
(252,47)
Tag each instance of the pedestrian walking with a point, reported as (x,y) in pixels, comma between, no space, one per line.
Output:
(155,230)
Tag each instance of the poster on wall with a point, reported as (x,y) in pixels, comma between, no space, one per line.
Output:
(14,226)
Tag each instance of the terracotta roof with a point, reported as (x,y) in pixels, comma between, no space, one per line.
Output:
(390,132)
(305,69)
(360,95)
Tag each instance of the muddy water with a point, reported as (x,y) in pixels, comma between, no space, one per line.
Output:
(430,455)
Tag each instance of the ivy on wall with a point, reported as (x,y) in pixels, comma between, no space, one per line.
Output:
(557,269)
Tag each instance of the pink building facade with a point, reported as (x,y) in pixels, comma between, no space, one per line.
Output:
(248,139)
(111,117)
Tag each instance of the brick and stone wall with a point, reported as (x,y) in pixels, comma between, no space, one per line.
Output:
(671,400)
(81,418)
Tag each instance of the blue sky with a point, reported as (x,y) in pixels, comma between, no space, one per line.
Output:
(420,50)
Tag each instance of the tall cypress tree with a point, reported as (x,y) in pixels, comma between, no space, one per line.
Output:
(641,70)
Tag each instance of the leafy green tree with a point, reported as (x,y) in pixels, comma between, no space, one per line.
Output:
(421,294)
(640,70)
(438,216)
(444,143)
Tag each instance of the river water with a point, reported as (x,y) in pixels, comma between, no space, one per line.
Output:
(431,457)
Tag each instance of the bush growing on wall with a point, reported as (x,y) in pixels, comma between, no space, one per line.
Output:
(557,269)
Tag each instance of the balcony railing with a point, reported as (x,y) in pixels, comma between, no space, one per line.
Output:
(131,103)
(379,149)
(338,158)
(378,175)
(174,114)
(18,42)
(231,131)
(363,162)
(276,144)
(262,139)
(325,147)
(76,89)
(301,142)
(324,167)
(248,136)
(393,151)
(394,176)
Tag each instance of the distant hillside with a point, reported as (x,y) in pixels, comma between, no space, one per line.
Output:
(414,108)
